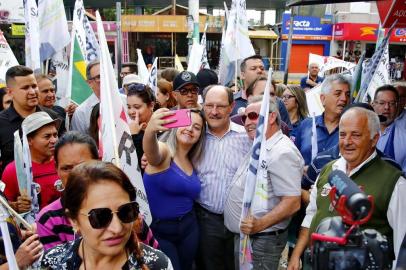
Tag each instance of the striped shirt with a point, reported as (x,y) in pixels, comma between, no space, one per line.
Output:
(54,228)
(218,164)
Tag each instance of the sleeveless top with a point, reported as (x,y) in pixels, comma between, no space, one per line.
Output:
(171,193)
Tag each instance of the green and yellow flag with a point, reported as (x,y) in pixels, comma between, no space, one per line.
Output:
(80,89)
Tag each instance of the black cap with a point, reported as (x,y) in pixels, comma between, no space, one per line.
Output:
(184,78)
(206,77)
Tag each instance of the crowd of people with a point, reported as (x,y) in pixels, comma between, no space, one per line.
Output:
(195,175)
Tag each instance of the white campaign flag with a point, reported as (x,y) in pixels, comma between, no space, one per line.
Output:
(178,64)
(313,101)
(85,34)
(8,246)
(226,68)
(381,75)
(32,58)
(203,42)
(153,77)
(143,72)
(255,192)
(7,58)
(237,43)
(61,63)
(117,143)
(53,27)
(329,62)
(32,192)
(195,58)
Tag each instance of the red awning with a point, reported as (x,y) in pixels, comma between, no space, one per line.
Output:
(365,32)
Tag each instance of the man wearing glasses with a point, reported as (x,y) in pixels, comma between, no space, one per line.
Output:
(225,146)
(392,140)
(186,89)
(81,117)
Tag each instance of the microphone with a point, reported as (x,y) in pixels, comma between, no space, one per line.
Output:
(357,201)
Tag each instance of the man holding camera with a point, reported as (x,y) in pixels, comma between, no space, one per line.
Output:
(358,136)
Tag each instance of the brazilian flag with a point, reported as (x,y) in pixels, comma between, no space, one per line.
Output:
(80,89)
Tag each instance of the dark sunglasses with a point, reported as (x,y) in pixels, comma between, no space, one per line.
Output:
(138,87)
(102,217)
(185,91)
(251,116)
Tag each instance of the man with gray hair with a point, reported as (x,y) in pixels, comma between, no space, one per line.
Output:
(312,79)
(81,117)
(335,96)
(282,168)
(359,134)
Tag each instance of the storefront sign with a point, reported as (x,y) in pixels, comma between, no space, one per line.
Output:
(306,28)
(18,30)
(11,11)
(167,23)
(365,32)
(392,10)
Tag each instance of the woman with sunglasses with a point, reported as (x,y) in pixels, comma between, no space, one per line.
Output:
(140,104)
(172,185)
(53,226)
(99,200)
(294,99)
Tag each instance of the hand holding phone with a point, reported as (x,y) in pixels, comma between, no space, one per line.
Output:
(182,117)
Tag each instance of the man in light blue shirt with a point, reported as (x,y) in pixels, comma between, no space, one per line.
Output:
(392,140)
(224,149)
(335,96)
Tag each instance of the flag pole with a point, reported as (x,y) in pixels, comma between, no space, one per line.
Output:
(236,46)
(102,39)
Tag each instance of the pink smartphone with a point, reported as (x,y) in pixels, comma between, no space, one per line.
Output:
(182,117)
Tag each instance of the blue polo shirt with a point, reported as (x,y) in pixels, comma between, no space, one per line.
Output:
(304,85)
(302,137)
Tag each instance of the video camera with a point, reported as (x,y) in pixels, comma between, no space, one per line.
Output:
(339,243)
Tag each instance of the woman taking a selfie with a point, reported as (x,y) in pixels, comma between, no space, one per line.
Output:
(99,200)
(172,184)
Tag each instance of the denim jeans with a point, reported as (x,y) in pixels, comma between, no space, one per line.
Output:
(216,242)
(266,250)
(178,239)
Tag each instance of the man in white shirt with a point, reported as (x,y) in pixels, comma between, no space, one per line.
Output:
(358,136)
(81,117)
(282,167)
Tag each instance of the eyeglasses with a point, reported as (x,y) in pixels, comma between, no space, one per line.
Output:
(138,87)
(251,116)
(101,217)
(95,78)
(210,107)
(123,74)
(286,97)
(185,91)
(381,103)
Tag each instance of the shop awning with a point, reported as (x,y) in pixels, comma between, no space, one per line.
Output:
(262,34)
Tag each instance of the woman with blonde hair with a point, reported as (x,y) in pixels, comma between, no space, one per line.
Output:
(172,185)
(294,99)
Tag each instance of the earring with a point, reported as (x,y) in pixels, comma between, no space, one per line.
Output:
(75,233)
